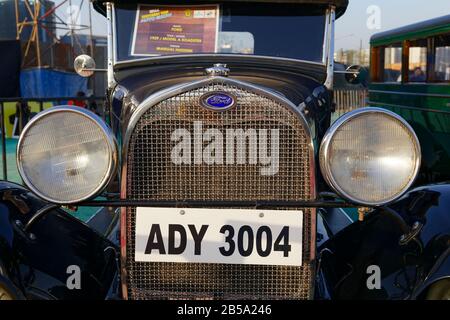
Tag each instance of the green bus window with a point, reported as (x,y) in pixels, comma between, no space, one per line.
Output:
(417,69)
(393,63)
(442,59)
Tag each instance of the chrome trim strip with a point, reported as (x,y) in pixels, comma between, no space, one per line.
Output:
(433,95)
(110,139)
(329,82)
(381,104)
(325,38)
(324,153)
(181,88)
(114,33)
(164,59)
(110,38)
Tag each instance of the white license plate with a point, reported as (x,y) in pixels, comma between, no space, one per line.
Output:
(230,236)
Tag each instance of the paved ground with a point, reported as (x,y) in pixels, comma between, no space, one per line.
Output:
(13,175)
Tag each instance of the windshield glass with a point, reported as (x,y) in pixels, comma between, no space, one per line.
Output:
(279,30)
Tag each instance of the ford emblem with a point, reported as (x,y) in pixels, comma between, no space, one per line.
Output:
(218,101)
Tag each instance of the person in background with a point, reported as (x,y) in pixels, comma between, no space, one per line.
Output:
(23,112)
(80,101)
(418,75)
(94,107)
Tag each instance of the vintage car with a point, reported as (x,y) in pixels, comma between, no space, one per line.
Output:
(218,173)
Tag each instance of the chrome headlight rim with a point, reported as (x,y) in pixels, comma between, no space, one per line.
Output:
(324,155)
(109,138)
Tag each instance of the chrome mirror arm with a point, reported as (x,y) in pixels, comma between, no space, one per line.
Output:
(110,38)
(95,70)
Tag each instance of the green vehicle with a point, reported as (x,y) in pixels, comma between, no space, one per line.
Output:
(410,75)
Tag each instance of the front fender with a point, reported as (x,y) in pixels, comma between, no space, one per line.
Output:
(405,265)
(439,272)
(38,259)
(15,205)
(6,238)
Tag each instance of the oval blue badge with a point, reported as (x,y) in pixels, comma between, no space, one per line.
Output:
(219,101)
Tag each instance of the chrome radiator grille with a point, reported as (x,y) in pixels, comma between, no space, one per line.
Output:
(151,174)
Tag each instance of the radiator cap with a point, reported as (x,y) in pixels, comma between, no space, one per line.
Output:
(219,69)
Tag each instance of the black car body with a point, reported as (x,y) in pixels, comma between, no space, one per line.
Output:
(286,89)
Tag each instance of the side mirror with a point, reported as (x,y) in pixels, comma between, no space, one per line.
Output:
(353,74)
(84,65)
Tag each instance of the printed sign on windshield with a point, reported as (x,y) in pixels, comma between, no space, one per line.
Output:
(164,30)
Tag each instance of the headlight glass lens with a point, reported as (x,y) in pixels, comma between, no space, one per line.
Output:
(372,157)
(66,155)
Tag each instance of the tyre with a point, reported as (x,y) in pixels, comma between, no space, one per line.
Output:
(439,290)
(8,291)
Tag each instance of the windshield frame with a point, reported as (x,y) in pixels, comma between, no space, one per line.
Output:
(327,54)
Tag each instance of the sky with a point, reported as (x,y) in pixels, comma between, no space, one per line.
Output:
(353,26)
(362,19)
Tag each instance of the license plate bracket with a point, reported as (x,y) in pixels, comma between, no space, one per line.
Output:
(225,236)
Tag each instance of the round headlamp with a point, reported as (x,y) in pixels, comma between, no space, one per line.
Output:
(66,155)
(370,156)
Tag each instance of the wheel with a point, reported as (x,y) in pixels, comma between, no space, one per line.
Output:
(8,291)
(5,294)
(439,290)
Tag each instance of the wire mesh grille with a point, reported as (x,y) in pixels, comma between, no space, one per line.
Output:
(153,175)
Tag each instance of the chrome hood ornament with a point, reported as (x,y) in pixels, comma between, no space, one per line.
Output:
(218,70)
